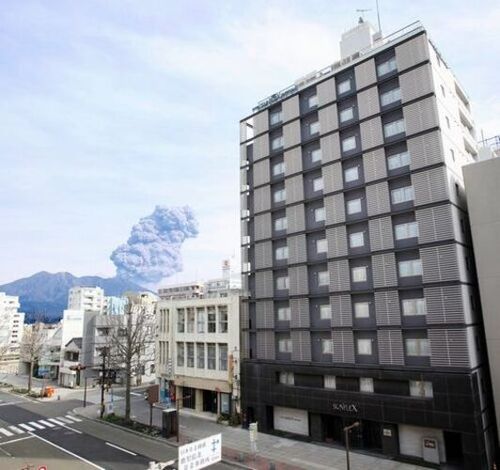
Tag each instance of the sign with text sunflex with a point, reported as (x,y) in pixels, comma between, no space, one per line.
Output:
(201,454)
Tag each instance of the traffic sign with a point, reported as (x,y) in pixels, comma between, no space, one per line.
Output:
(201,454)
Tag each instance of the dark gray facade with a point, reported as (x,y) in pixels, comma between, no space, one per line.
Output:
(362,300)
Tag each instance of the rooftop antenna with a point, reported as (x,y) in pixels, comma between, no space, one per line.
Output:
(378,18)
(362,11)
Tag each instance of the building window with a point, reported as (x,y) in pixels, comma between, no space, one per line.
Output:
(362,310)
(318,184)
(212,320)
(347,114)
(394,128)
(286,378)
(359,274)
(330,382)
(190,354)
(364,346)
(282,282)
(190,320)
(391,96)
(417,347)
(407,230)
(280,224)
(275,117)
(284,313)
(398,160)
(278,168)
(211,356)
(356,239)
(401,195)
(223,319)
(421,388)
(319,214)
(412,267)
(344,86)
(414,307)
(327,346)
(316,155)
(312,101)
(222,356)
(323,278)
(366,384)
(325,312)
(200,352)
(354,206)
(351,174)
(285,345)
(279,195)
(281,253)
(277,142)
(180,354)
(314,128)
(321,246)
(201,320)
(180,320)
(386,67)
(349,143)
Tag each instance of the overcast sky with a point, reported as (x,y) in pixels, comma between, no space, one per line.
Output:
(111,107)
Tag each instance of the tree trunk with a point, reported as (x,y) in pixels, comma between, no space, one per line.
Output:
(30,376)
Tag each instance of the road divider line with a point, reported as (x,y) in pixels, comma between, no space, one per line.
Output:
(11,403)
(16,440)
(6,433)
(120,448)
(16,430)
(69,452)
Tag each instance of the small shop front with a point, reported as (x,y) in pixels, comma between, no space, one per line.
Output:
(204,397)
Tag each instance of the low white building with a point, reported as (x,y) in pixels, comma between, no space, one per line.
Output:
(90,299)
(11,332)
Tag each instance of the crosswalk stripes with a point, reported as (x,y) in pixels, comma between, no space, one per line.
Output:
(55,421)
(36,425)
(16,429)
(74,418)
(25,426)
(46,423)
(32,426)
(6,433)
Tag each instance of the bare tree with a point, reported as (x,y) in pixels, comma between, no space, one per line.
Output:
(32,346)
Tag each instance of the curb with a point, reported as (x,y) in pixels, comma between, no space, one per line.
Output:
(157,439)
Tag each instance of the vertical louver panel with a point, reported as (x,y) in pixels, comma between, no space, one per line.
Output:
(294,187)
(343,346)
(416,83)
(365,74)
(297,249)
(377,198)
(374,165)
(444,305)
(381,235)
(299,284)
(299,313)
(245,342)
(260,147)
(449,347)
(387,310)
(390,347)
(326,91)
(339,275)
(430,186)
(330,147)
(425,150)
(332,177)
(341,310)
(264,284)
(301,346)
(435,224)
(261,122)
(263,255)
(262,199)
(296,218)
(262,226)
(243,154)
(440,263)
(421,115)
(261,172)
(243,177)
(266,345)
(244,315)
(412,52)
(291,133)
(335,209)
(293,161)
(368,103)
(290,108)
(371,133)
(264,314)
(384,270)
(337,241)
(328,118)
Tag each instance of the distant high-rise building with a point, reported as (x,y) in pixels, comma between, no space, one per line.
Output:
(11,332)
(88,299)
(362,302)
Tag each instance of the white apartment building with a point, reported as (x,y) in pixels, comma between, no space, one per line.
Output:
(198,347)
(11,332)
(86,299)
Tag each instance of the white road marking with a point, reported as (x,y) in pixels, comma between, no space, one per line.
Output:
(74,418)
(55,421)
(11,403)
(46,423)
(17,430)
(28,428)
(120,448)
(136,394)
(36,425)
(65,420)
(16,440)
(6,433)
(68,452)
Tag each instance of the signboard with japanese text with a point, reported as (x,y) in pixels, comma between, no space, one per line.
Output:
(201,454)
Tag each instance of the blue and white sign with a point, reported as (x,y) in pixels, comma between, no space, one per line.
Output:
(201,454)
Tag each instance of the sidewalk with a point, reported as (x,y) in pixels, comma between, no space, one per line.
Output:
(286,454)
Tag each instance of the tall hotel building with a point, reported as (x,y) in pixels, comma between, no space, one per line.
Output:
(361,301)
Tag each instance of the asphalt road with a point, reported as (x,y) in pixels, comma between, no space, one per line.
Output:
(36,436)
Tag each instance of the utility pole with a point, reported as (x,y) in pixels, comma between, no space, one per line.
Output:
(102,381)
(346,433)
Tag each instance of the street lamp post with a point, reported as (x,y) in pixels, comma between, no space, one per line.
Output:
(346,433)
(102,381)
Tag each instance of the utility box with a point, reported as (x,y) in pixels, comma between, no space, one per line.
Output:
(169,423)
